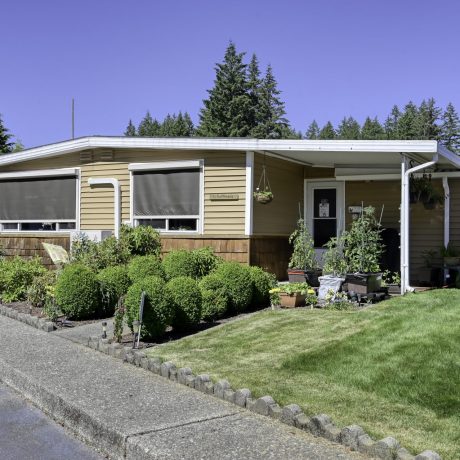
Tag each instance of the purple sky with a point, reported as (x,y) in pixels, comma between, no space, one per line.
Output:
(119,59)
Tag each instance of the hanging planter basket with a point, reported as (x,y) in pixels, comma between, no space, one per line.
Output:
(263,193)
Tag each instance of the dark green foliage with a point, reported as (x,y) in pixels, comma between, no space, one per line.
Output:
(372,130)
(186,296)
(312,131)
(215,299)
(262,282)
(237,283)
(158,306)
(114,282)
(450,129)
(177,126)
(77,292)
(149,127)
(349,129)
(427,120)
(118,319)
(16,275)
(142,267)
(407,125)
(179,263)
(39,290)
(5,145)
(204,262)
(392,123)
(141,240)
(130,130)
(328,132)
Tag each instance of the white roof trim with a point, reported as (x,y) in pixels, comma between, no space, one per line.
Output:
(185,164)
(40,173)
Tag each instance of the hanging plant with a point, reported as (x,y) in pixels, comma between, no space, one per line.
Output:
(421,189)
(263,193)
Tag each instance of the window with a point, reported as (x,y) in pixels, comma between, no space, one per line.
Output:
(38,203)
(166,196)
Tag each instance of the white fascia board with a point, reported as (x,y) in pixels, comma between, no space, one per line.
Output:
(185,164)
(448,155)
(194,143)
(40,173)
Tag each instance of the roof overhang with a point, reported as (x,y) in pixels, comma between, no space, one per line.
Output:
(328,153)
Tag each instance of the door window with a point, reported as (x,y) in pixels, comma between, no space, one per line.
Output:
(324,215)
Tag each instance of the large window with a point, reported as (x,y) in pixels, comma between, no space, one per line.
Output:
(167,196)
(38,203)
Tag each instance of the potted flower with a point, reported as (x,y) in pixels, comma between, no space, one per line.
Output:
(422,189)
(263,196)
(362,248)
(293,295)
(302,264)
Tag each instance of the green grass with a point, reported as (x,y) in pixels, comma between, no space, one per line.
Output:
(394,369)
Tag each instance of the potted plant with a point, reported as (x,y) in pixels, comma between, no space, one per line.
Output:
(293,295)
(450,255)
(391,281)
(422,189)
(302,264)
(334,268)
(362,248)
(263,196)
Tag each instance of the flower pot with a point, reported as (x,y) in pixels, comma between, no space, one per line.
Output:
(312,277)
(263,199)
(364,283)
(296,276)
(329,283)
(291,300)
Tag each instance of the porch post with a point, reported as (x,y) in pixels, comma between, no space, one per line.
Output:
(248,209)
(402,225)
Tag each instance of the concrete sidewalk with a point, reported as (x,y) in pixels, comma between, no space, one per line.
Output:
(126,412)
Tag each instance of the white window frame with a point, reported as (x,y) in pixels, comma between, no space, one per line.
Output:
(171,165)
(40,174)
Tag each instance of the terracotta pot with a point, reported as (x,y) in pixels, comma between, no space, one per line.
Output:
(291,300)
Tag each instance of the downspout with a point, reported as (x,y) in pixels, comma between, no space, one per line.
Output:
(405,222)
(116,187)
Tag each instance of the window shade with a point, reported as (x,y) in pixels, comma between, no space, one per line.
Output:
(38,199)
(167,193)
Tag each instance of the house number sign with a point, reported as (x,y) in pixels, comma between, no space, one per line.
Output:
(224,196)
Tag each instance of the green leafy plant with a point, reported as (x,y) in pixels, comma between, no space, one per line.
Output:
(215,299)
(262,282)
(389,277)
(179,262)
(187,300)
(421,189)
(338,301)
(77,292)
(296,288)
(142,267)
(333,259)
(449,251)
(204,261)
(120,311)
(38,291)
(141,240)
(114,283)
(303,254)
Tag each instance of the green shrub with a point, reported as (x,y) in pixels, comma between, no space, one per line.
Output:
(77,292)
(114,283)
(16,275)
(186,296)
(39,291)
(237,283)
(262,282)
(142,267)
(204,262)
(179,263)
(215,300)
(141,240)
(158,306)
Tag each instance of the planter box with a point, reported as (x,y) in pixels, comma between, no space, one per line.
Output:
(364,283)
(291,300)
(302,276)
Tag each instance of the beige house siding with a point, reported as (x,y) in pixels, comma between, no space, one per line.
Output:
(286,181)
(454,187)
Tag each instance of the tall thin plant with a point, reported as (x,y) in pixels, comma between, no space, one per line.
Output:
(303,255)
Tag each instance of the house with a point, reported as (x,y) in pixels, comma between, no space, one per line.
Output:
(199,192)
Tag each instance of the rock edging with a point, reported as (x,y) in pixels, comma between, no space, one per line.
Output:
(38,323)
(352,436)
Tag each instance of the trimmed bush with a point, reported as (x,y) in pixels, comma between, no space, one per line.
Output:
(186,296)
(16,275)
(114,283)
(215,300)
(77,292)
(179,263)
(38,292)
(145,266)
(237,283)
(158,306)
(141,240)
(204,262)
(262,282)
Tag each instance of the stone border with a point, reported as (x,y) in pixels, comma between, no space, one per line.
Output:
(38,323)
(352,436)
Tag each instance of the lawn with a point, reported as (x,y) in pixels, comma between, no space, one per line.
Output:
(393,368)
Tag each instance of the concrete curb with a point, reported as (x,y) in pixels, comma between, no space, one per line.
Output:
(38,323)
(321,425)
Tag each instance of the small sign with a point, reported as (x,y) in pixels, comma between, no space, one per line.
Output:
(324,208)
(57,254)
(224,196)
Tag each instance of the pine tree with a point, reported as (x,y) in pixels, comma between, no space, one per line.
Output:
(328,132)
(5,145)
(254,92)
(131,129)
(391,125)
(226,112)
(271,123)
(408,123)
(18,146)
(312,131)
(450,129)
(349,129)
(184,125)
(372,129)
(149,127)
(427,120)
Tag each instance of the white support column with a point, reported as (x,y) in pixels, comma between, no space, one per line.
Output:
(402,225)
(248,214)
(445,185)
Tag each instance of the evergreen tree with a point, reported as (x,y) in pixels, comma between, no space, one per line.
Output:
(391,125)
(184,125)
(349,129)
(427,120)
(408,125)
(328,132)
(372,129)
(149,127)
(227,111)
(254,92)
(312,131)
(18,146)
(450,129)
(271,123)
(131,129)
(5,145)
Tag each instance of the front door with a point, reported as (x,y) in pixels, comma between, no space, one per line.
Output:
(325,212)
